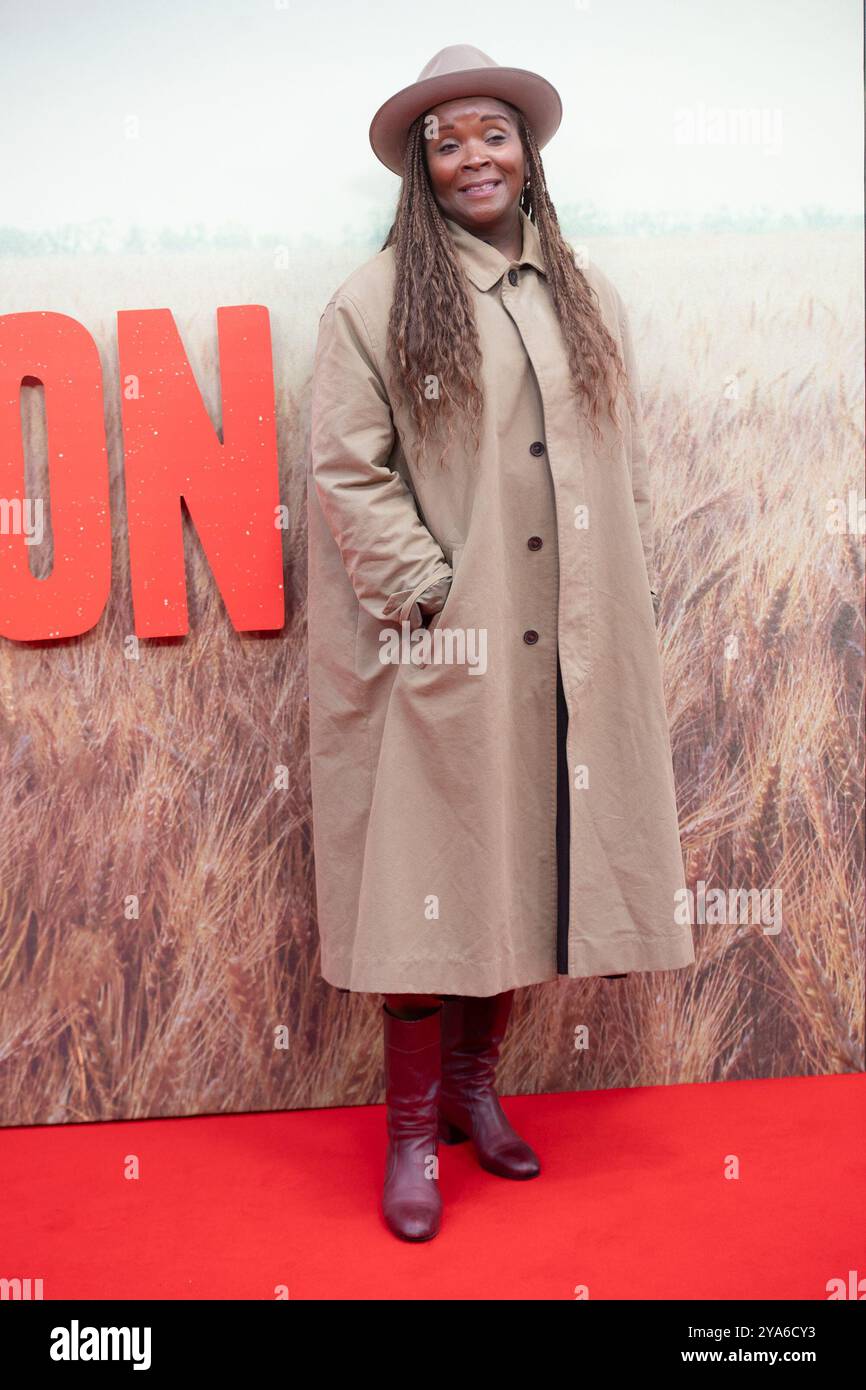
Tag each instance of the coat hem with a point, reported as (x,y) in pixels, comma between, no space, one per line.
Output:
(436,977)
(630,956)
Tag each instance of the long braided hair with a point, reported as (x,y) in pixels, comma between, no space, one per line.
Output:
(433,348)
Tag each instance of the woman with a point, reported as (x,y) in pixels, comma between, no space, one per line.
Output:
(486,702)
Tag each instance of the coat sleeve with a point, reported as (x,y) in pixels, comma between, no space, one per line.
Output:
(433,599)
(389,555)
(638,457)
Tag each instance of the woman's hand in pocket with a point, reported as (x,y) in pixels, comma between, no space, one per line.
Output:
(433,607)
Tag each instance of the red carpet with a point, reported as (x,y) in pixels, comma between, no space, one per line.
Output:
(632,1202)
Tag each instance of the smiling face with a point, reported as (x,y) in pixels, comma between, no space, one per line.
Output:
(476,162)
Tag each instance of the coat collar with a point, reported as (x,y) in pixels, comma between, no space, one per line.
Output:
(483,263)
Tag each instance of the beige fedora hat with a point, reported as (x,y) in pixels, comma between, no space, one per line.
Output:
(462,71)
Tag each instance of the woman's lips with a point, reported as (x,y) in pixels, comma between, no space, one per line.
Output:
(481,190)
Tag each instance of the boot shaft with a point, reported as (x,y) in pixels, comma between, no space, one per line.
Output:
(411,1203)
(472,1032)
(413,1068)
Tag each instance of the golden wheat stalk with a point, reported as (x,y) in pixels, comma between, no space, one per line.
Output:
(244,998)
(819,812)
(771,626)
(93,1058)
(762,830)
(822,1009)
(700,590)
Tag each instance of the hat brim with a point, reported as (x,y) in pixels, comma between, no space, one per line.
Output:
(537,98)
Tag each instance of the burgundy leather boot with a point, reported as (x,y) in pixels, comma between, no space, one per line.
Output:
(472,1032)
(411,1203)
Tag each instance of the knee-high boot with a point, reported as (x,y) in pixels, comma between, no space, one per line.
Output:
(472,1032)
(411,1203)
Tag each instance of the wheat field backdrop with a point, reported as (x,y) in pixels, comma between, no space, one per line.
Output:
(159,777)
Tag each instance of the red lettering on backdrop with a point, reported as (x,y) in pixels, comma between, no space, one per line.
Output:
(60,353)
(171,451)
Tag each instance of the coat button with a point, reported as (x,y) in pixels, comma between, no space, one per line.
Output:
(536,448)
(530,636)
(512,277)
(535,542)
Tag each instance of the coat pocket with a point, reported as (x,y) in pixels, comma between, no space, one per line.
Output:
(438,619)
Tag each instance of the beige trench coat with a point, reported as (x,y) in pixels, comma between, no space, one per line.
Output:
(434,775)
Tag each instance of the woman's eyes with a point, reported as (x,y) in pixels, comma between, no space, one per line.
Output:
(497,135)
